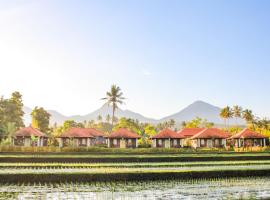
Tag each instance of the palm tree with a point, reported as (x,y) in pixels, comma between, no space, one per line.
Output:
(183,124)
(99,118)
(263,124)
(114,97)
(237,112)
(249,117)
(226,114)
(171,123)
(108,118)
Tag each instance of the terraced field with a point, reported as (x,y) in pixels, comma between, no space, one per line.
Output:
(28,177)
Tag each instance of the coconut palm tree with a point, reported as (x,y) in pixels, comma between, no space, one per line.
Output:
(171,123)
(226,114)
(237,112)
(113,98)
(108,118)
(263,124)
(99,118)
(249,117)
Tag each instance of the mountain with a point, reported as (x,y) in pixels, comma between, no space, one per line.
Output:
(58,118)
(197,109)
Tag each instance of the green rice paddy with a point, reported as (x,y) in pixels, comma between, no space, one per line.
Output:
(209,176)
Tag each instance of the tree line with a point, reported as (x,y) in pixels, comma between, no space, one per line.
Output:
(11,119)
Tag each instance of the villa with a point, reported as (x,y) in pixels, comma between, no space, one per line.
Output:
(30,136)
(167,139)
(123,138)
(81,137)
(187,133)
(248,138)
(210,138)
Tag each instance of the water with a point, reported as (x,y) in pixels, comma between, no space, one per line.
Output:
(232,188)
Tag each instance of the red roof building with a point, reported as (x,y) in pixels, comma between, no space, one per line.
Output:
(209,133)
(189,132)
(247,134)
(248,138)
(24,137)
(82,133)
(28,132)
(80,137)
(123,138)
(168,133)
(167,139)
(124,133)
(210,138)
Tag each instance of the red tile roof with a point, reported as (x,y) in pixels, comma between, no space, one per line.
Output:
(95,132)
(123,133)
(189,132)
(211,133)
(246,133)
(29,131)
(167,133)
(82,133)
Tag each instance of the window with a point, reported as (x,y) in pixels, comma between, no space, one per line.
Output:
(129,141)
(83,141)
(114,141)
(160,142)
(202,142)
(175,142)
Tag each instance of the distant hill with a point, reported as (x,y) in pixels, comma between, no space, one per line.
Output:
(197,109)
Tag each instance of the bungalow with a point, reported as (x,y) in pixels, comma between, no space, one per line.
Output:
(81,137)
(248,138)
(30,136)
(167,139)
(123,138)
(210,138)
(187,133)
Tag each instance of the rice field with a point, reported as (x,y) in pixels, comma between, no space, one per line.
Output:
(227,179)
(230,188)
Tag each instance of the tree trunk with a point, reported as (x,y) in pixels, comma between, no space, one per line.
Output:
(113,115)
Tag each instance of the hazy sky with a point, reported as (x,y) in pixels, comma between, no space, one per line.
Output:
(64,55)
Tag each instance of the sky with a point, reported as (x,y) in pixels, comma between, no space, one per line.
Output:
(164,55)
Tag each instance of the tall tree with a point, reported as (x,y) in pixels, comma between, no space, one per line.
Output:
(99,118)
(41,119)
(71,124)
(11,111)
(171,123)
(237,112)
(108,118)
(249,117)
(226,114)
(113,98)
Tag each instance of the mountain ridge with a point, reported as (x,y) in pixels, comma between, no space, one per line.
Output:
(196,109)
